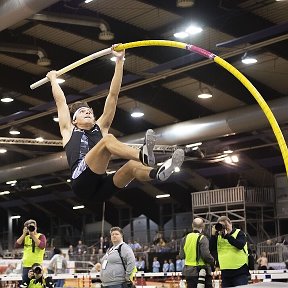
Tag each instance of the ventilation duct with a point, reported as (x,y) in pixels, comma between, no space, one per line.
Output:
(13,11)
(105,33)
(236,121)
(12,48)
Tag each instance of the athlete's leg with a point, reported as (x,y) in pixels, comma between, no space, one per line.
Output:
(99,156)
(135,170)
(131,170)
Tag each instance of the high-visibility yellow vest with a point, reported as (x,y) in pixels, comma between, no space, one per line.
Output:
(34,284)
(229,256)
(190,249)
(30,257)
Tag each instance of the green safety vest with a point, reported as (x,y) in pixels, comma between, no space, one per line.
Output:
(30,257)
(32,284)
(190,249)
(229,256)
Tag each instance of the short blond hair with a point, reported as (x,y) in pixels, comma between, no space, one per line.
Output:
(224,219)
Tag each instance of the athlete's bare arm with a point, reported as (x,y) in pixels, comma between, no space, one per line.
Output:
(106,118)
(65,124)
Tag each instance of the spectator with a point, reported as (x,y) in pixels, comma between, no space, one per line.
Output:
(262,261)
(10,269)
(106,244)
(34,244)
(165,267)
(93,255)
(155,265)
(136,246)
(71,252)
(81,248)
(58,265)
(179,264)
(140,264)
(171,266)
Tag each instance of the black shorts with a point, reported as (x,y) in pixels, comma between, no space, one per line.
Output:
(91,186)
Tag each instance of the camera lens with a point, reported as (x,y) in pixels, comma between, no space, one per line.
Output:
(37,270)
(219,227)
(31,228)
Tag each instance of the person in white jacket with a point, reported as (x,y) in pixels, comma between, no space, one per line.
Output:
(58,265)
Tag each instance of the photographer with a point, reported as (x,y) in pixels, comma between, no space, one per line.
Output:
(36,278)
(230,245)
(195,250)
(34,245)
(118,264)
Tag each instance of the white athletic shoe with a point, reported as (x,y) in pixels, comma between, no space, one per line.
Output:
(147,155)
(168,167)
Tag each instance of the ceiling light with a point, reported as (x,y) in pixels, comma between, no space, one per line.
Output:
(162,196)
(39,139)
(106,36)
(181,35)
(193,145)
(192,30)
(248,59)
(88,1)
(68,180)
(78,207)
(3,150)
(36,187)
(228,151)
(7,99)
(14,131)
(137,113)
(11,182)
(184,3)
(4,193)
(204,95)
(15,217)
(44,61)
(60,80)
(56,119)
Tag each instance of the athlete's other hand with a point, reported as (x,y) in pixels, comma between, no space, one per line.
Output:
(51,75)
(118,54)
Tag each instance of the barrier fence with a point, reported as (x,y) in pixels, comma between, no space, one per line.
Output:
(151,280)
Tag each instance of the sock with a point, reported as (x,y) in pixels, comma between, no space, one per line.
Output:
(153,173)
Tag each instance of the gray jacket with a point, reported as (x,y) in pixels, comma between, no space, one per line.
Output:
(114,272)
(204,254)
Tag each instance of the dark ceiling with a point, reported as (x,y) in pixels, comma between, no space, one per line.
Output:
(163,82)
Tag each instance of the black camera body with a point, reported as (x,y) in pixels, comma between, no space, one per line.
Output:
(31,227)
(219,227)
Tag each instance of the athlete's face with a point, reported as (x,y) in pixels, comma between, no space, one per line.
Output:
(84,116)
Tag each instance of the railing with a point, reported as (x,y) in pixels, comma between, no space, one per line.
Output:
(233,195)
(275,253)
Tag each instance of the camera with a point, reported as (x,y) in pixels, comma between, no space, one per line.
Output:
(219,227)
(201,278)
(37,270)
(31,227)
